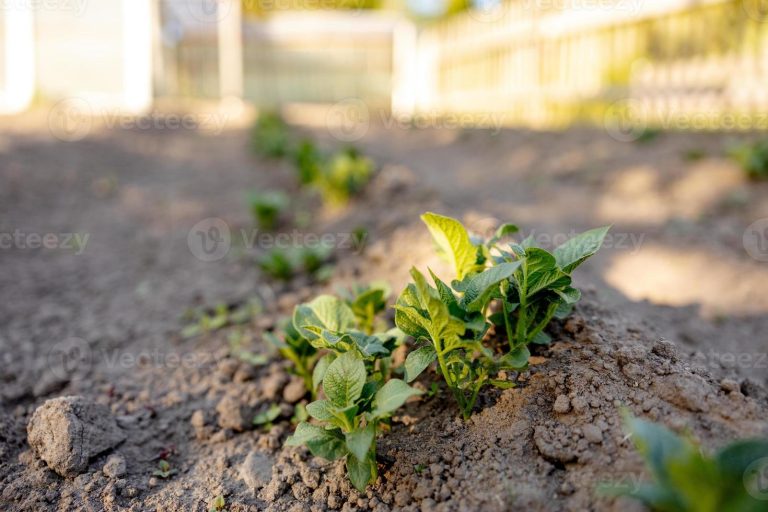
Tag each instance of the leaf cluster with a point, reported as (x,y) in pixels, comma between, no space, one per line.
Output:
(285,263)
(526,285)
(356,404)
(354,373)
(267,207)
(687,480)
(753,158)
(270,136)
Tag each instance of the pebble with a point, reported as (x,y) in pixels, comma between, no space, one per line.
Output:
(562,404)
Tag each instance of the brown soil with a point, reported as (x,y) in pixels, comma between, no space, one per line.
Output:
(672,325)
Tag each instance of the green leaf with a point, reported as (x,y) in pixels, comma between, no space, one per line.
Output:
(572,253)
(453,240)
(503,231)
(392,395)
(478,287)
(267,416)
(360,472)
(501,384)
(408,313)
(328,444)
(321,410)
(542,338)
(542,272)
(320,368)
(344,380)
(359,441)
(658,445)
(516,359)
(418,360)
(325,312)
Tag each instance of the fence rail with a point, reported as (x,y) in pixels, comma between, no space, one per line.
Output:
(549,67)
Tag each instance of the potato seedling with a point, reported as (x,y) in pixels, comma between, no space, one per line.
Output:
(356,405)
(294,347)
(344,175)
(687,480)
(753,158)
(308,162)
(528,284)
(367,302)
(218,504)
(266,417)
(270,136)
(222,315)
(329,323)
(285,264)
(267,208)
(164,470)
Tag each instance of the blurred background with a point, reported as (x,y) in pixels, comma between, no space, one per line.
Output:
(538,63)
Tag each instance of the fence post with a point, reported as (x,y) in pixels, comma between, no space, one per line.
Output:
(18,85)
(230,38)
(405,70)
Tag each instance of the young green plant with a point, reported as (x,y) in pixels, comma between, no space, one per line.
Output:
(356,405)
(687,480)
(267,208)
(270,136)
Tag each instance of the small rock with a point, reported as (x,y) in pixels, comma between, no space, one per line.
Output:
(730,385)
(402,498)
(633,371)
(66,432)
(686,391)
(272,385)
(256,470)
(666,349)
(592,433)
(233,413)
(294,391)
(115,467)
(562,404)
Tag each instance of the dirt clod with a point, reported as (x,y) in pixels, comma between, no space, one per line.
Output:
(67,432)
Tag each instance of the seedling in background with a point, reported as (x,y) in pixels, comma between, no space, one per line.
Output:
(687,480)
(266,417)
(753,158)
(297,349)
(344,176)
(218,504)
(285,264)
(308,162)
(164,470)
(267,208)
(222,315)
(270,136)
(238,341)
(356,405)
(367,302)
